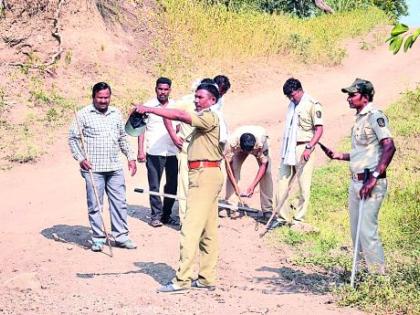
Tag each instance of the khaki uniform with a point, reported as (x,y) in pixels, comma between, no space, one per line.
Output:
(370,128)
(199,228)
(185,130)
(309,112)
(235,154)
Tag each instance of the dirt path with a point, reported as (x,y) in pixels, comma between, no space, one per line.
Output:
(46,198)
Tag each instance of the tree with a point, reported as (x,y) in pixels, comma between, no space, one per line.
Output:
(399,37)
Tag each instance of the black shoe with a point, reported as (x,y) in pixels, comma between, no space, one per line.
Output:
(276,224)
(196,284)
(169,221)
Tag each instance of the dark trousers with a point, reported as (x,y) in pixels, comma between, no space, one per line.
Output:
(155,165)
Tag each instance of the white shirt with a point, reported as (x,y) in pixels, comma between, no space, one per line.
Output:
(157,139)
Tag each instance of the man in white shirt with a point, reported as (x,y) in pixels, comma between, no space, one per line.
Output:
(160,155)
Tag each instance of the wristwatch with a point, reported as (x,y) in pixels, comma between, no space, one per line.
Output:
(308,146)
(375,174)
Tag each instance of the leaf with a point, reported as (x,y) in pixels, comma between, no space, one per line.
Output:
(397,44)
(408,43)
(399,29)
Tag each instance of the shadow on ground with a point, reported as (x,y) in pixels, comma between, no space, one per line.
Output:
(289,280)
(160,272)
(143,214)
(72,234)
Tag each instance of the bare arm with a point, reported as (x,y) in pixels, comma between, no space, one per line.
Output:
(172,133)
(141,157)
(260,173)
(335,155)
(317,135)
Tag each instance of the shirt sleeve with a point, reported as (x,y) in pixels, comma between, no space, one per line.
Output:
(74,141)
(317,114)
(122,139)
(380,125)
(204,120)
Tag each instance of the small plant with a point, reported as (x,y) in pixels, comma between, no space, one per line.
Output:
(68,57)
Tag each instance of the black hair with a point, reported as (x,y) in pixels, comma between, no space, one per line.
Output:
(207,81)
(291,85)
(247,142)
(99,87)
(211,88)
(163,80)
(222,82)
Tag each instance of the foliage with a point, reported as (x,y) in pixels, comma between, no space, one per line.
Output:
(397,292)
(196,34)
(398,38)
(306,8)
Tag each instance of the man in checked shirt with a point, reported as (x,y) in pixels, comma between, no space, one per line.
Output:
(104,134)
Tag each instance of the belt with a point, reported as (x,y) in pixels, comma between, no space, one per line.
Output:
(198,164)
(301,142)
(360,176)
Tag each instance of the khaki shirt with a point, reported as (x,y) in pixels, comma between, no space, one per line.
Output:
(186,103)
(204,144)
(370,128)
(261,147)
(309,113)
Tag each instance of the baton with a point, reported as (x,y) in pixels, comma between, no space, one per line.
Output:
(359,223)
(283,199)
(220,204)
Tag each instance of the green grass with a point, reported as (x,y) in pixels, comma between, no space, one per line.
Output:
(398,291)
(196,36)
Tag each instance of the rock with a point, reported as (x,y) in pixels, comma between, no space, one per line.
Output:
(24,281)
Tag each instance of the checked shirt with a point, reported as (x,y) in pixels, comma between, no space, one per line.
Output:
(104,136)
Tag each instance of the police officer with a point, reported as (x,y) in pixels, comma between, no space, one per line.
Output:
(303,129)
(371,148)
(199,227)
(244,141)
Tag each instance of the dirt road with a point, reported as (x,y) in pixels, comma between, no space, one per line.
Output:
(41,276)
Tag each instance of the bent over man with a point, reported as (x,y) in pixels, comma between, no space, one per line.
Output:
(302,132)
(245,141)
(372,148)
(103,130)
(199,227)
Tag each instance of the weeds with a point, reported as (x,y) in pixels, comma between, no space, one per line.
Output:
(196,34)
(398,291)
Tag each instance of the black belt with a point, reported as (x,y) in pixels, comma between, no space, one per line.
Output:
(361,176)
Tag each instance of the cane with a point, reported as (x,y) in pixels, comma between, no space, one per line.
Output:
(92,180)
(283,199)
(359,223)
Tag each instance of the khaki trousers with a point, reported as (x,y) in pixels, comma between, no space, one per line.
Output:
(182,181)
(369,243)
(304,179)
(266,182)
(199,229)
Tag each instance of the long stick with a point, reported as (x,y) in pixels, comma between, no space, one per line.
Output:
(95,191)
(299,170)
(359,224)
(220,204)
(234,184)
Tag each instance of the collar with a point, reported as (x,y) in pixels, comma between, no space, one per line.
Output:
(368,108)
(156,102)
(110,110)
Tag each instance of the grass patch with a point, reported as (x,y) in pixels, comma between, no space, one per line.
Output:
(198,34)
(398,291)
